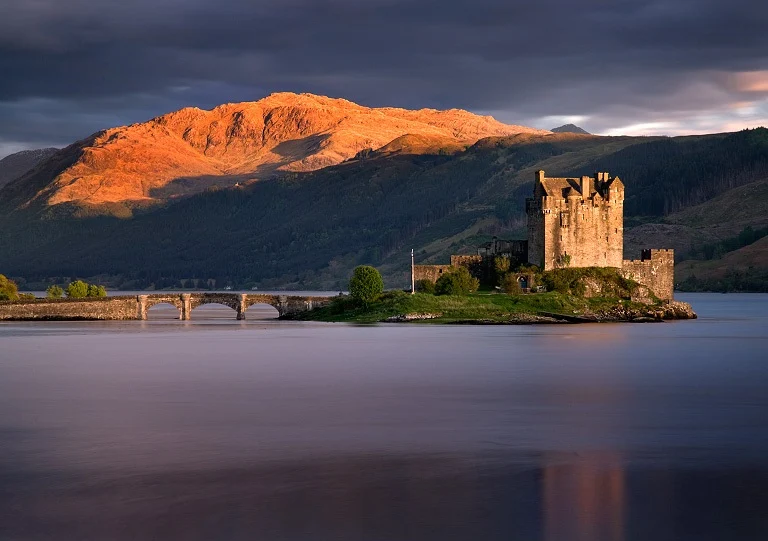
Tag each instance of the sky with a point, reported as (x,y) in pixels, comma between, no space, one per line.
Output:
(69,68)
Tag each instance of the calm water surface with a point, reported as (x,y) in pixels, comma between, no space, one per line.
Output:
(219,429)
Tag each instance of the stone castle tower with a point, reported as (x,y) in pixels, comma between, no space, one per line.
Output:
(571,223)
(576,222)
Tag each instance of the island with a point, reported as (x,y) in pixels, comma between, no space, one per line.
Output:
(584,295)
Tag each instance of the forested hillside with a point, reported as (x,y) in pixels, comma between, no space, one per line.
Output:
(310,229)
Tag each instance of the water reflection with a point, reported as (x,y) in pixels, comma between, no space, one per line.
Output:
(584,500)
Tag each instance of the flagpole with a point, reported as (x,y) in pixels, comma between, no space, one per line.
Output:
(413,275)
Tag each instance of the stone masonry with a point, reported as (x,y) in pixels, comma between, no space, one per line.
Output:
(576,222)
(137,307)
(655,269)
(430,272)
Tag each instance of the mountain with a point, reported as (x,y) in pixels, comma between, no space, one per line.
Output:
(191,150)
(15,165)
(570,128)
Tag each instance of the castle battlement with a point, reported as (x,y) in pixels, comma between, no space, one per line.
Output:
(655,269)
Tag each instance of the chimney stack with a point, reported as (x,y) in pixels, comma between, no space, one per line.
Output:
(586,187)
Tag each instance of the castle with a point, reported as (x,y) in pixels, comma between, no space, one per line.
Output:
(571,223)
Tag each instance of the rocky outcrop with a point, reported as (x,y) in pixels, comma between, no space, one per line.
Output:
(638,313)
(412,317)
(675,310)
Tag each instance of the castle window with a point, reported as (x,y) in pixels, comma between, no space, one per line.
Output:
(565,220)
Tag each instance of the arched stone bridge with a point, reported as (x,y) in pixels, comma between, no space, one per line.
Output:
(136,306)
(239,302)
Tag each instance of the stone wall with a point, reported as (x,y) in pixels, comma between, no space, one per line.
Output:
(475,264)
(535,231)
(110,308)
(430,272)
(656,270)
(590,233)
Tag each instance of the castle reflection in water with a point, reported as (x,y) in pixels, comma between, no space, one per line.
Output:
(583,499)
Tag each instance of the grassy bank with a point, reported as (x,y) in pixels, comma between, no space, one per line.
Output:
(477,307)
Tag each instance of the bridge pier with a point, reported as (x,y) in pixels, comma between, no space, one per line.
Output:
(186,306)
(141,307)
(242,306)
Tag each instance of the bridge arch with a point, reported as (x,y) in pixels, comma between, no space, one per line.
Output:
(214,298)
(159,306)
(145,302)
(270,310)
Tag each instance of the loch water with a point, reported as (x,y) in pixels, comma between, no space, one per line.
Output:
(216,429)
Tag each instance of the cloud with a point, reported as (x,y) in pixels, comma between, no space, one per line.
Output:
(71,67)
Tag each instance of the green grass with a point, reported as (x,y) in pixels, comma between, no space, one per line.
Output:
(479,307)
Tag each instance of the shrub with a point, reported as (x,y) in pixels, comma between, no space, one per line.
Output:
(500,268)
(425,286)
(563,261)
(54,292)
(8,289)
(26,296)
(510,285)
(96,291)
(339,305)
(394,295)
(77,289)
(366,284)
(457,282)
(574,281)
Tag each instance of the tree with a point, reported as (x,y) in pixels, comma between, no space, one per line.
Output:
(96,291)
(458,282)
(366,284)
(77,289)
(8,289)
(54,292)
(501,266)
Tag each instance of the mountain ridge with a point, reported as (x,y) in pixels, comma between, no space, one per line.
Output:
(15,165)
(189,150)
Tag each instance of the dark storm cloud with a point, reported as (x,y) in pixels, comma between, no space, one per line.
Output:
(70,67)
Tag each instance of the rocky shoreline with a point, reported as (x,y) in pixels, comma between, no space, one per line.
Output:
(673,310)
